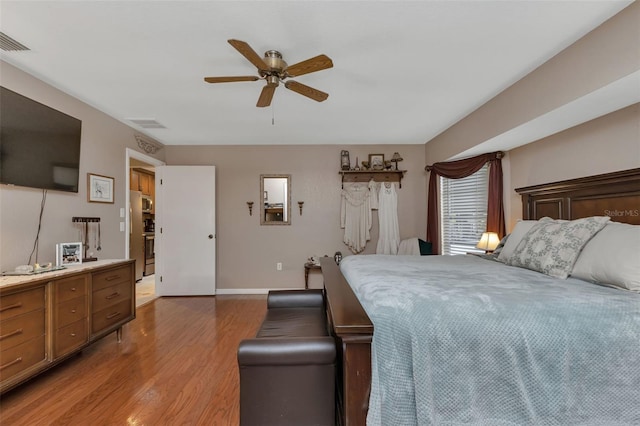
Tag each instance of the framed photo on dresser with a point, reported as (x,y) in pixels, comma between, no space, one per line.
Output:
(68,254)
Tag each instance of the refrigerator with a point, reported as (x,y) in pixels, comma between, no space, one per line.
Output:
(136,230)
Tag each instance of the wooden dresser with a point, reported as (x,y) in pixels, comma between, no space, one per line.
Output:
(46,318)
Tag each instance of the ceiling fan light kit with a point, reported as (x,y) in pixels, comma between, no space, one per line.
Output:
(273,69)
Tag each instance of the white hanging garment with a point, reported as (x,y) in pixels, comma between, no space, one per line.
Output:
(355,216)
(374,188)
(389,236)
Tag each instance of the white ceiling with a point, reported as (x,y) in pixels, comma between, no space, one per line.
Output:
(404,71)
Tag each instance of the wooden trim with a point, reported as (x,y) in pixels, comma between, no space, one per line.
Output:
(377,175)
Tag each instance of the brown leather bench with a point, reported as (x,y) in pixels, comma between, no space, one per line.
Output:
(287,372)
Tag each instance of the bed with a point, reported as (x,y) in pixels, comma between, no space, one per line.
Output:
(528,348)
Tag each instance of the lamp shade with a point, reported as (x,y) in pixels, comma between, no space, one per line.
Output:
(488,242)
(396,157)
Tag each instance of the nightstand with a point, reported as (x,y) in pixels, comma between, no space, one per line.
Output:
(308,266)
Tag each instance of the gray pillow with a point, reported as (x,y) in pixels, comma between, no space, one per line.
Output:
(552,246)
(519,231)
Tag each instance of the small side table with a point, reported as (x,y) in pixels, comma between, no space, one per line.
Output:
(307,267)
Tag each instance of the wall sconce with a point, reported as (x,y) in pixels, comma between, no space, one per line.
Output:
(300,203)
(250,205)
(488,242)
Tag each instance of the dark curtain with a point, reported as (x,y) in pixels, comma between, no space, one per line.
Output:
(460,169)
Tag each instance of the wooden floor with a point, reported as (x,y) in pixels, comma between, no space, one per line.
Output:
(176,365)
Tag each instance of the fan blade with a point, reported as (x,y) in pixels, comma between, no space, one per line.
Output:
(307,91)
(266,95)
(246,51)
(318,63)
(231,79)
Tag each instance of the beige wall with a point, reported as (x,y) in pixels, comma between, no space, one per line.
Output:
(248,252)
(604,145)
(605,55)
(104,140)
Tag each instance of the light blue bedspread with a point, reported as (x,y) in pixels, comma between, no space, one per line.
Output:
(460,340)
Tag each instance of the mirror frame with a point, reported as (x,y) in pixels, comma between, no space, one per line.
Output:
(288,206)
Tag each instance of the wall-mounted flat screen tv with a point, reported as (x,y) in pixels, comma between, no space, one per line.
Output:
(39,146)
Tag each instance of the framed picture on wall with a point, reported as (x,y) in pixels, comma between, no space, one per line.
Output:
(99,188)
(376,161)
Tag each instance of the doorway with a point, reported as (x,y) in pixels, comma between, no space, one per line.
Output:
(140,221)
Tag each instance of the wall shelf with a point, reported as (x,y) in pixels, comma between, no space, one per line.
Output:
(376,175)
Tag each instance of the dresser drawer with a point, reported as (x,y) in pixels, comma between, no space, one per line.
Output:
(21,357)
(105,318)
(70,337)
(110,296)
(18,330)
(70,311)
(112,277)
(19,303)
(70,288)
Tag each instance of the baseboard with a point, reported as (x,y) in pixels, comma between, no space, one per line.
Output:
(230,291)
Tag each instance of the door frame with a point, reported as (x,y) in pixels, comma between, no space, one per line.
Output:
(129,154)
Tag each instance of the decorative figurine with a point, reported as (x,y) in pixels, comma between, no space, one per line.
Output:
(337,257)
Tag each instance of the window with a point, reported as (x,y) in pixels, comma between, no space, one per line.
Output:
(463,211)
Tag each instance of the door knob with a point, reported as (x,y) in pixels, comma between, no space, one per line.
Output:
(211,236)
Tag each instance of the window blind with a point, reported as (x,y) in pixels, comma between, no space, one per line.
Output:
(463,212)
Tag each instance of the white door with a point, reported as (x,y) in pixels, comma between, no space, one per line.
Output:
(185,231)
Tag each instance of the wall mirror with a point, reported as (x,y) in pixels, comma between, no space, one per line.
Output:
(275,191)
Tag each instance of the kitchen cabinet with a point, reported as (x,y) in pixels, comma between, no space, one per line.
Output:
(143,181)
(46,318)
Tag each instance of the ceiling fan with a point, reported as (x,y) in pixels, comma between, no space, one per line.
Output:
(274,70)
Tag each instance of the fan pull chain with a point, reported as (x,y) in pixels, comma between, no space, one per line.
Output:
(273,116)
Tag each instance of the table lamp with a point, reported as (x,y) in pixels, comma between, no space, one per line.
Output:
(488,242)
(396,157)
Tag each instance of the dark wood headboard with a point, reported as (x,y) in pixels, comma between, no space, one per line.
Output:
(612,194)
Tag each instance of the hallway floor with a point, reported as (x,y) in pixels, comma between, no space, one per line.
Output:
(146,290)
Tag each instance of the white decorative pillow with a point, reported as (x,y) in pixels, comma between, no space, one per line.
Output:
(519,231)
(612,257)
(552,246)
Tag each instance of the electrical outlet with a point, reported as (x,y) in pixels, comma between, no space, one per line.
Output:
(121,226)
(279,266)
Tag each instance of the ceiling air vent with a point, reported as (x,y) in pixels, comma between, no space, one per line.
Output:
(147,123)
(9,44)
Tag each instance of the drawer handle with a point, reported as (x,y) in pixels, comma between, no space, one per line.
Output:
(73,289)
(113,315)
(112,277)
(111,296)
(9,364)
(14,306)
(73,311)
(13,333)
(73,334)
